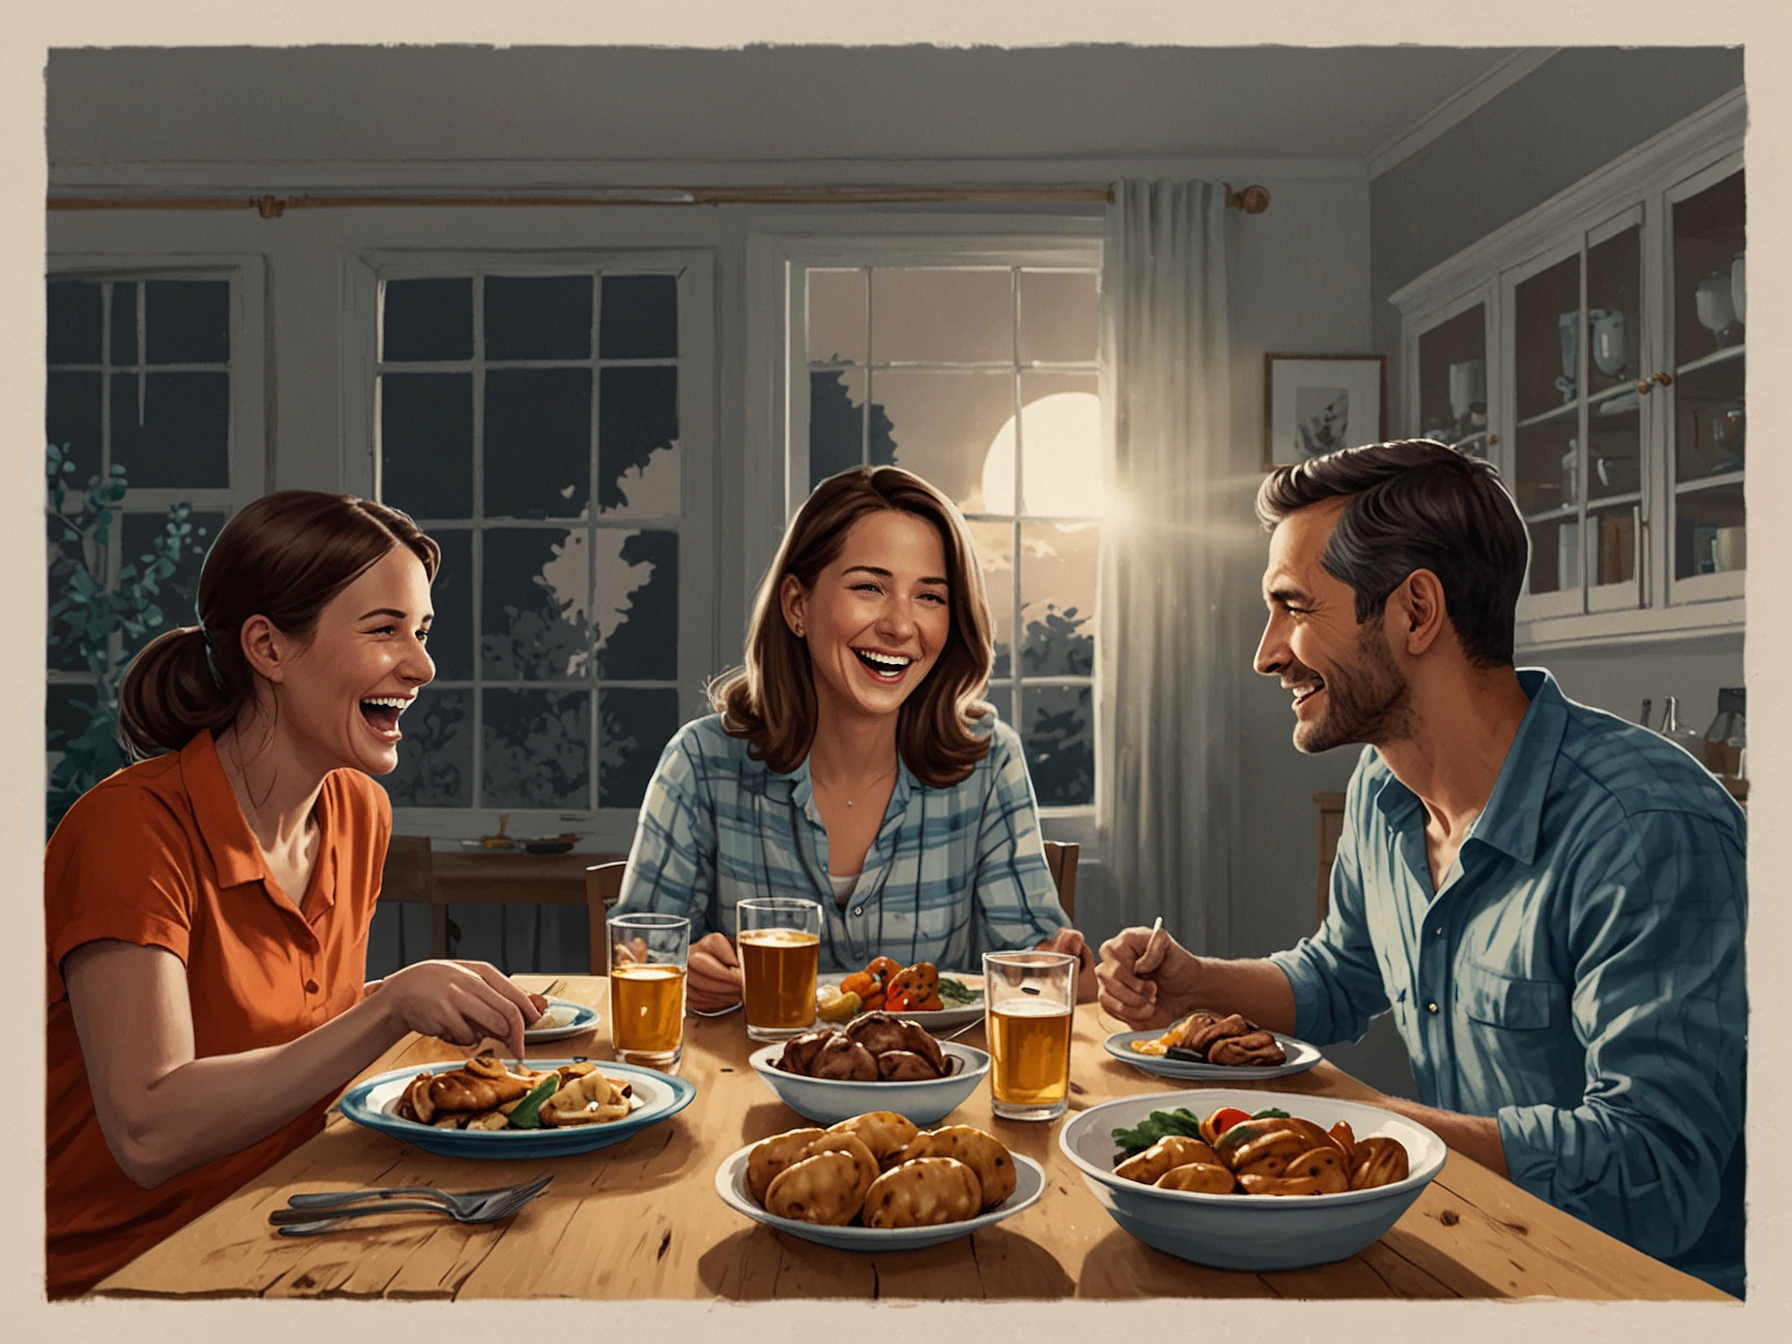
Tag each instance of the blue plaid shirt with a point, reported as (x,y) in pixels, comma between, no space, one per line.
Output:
(1578,976)
(954,872)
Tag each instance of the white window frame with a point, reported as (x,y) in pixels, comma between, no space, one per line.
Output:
(777,481)
(604,829)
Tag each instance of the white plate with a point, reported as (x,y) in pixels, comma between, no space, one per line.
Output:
(584,1019)
(943,1020)
(731,1185)
(1301,1057)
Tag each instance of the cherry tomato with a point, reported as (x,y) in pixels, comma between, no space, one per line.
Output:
(1227,1116)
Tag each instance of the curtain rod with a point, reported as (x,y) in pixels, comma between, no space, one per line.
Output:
(1252,200)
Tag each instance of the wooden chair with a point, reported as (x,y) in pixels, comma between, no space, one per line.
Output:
(603,885)
(1060,857)
(409,878)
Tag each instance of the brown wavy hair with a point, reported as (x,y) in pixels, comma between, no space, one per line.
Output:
(771,700)
(284,556)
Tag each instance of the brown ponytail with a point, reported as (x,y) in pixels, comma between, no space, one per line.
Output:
(284,556)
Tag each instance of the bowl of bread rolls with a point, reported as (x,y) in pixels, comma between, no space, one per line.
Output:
(879,1182)
(877,1062)
(1251,1179)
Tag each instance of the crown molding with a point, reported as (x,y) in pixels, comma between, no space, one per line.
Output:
(1459,106)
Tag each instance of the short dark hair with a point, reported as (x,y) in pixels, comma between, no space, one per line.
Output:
(1414,504)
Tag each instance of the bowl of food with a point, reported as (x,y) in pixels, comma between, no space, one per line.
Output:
(876,1182)
(877,1062)
(1256,1180)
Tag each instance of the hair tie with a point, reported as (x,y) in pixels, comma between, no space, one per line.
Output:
(210,666)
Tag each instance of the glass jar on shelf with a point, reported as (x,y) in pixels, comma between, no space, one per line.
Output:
(1453,382)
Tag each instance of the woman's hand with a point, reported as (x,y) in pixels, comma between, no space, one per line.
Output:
(461,1002)
(713,981)
(1072,943)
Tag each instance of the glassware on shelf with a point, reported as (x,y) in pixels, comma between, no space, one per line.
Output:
(1610,345)
(1568,328)
(1687,739)
(1715,310)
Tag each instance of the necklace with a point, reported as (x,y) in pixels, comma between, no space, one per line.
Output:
(822,783)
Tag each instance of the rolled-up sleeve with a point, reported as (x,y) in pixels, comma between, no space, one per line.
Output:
(1335,975)
(672,863)
(1657,923)
(1016,900)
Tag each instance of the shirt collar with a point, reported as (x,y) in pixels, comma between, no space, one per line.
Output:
(802,787)
(222,826)
(1513,818)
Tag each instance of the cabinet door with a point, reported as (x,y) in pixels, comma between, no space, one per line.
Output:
(1707,298)
(1615,340)
(1449,400)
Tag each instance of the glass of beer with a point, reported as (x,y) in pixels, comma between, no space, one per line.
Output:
(1029,1001)
(648,958)
(779,942)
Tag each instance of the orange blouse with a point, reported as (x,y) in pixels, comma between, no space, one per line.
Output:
(160,855)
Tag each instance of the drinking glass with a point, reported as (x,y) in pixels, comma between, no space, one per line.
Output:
(779,942)
(648,957)
(1029,1005)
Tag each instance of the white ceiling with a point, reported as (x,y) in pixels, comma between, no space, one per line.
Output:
(349,104)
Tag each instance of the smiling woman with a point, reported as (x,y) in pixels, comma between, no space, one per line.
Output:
(206,910)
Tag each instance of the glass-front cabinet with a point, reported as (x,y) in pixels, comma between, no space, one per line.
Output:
(1594,351)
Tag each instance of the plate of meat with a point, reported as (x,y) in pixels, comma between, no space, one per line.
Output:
(1210,1045)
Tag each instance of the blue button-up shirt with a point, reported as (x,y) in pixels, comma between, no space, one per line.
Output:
(1578,974)
(954,872)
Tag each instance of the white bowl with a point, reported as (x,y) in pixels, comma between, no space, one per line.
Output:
(828,1101)
(1252,1232)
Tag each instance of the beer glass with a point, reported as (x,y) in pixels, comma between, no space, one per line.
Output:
(648,956)
(779,942)
(1029,1002)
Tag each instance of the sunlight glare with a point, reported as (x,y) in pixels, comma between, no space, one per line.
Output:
(1063,459)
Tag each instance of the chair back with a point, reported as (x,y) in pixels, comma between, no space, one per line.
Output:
(603,885)
(1060,857)
(409,876)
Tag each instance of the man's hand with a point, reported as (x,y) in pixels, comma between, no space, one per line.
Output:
(713,982)
(1147,981)
(1072,943)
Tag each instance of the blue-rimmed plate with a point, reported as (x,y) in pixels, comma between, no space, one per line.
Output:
(1301,1057)
(731,1185)
(661,1096)
(565,1018)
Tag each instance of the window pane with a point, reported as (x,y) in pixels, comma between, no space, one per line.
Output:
(435,759)
(537,749)
(451,632)
(124,323)
(72,421)
(1059,737)
(937,316)
(73,321)
(637,606)
(944,425)
(538,317)
(537,442)
(179,437)
(186,322)
(639,318)
(64,557)
(637,724)
(426,319)
(147,534)
(1057,588)
(836,304)
(1060,434)
(837,423)
(637,441)
(534,626)
(1059,317)
(426,443)
(995,551)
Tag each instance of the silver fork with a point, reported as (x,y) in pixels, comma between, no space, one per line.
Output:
(478,1206)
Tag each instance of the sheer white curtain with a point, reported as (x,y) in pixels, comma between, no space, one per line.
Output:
(1172,656)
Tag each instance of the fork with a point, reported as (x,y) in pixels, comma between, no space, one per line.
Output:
(494,1207)
(466,1206)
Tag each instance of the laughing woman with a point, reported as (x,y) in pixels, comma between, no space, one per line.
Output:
(853,761)
(207,909)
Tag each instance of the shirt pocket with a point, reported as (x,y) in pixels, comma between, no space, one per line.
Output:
(1505,1001)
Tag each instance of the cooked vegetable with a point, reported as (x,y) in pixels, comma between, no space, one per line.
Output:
(1220,1121)
(836,1005)
(1158,1125)
(956,994)
(527,1115)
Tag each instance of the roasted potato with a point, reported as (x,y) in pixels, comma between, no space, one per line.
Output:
(831,1141)
(773,1155)
(885,1133)
(982,1153)
(1323,1165)
(587,1099)
(923,1192)
(1378,1161)
(828,1188)
(1206,1178)
(1173,1150)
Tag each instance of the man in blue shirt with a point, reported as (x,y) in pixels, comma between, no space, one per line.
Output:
(1551,901)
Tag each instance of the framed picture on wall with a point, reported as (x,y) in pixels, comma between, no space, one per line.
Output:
(1316,404)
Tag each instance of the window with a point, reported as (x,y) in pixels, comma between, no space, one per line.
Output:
(153,373)
(535,420)
(983,378)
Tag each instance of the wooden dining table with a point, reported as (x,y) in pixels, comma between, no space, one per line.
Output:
(641,1219)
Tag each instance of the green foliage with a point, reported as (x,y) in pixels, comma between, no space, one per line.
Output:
(91,622)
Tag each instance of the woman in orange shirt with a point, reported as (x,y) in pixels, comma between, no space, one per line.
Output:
(207,909)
